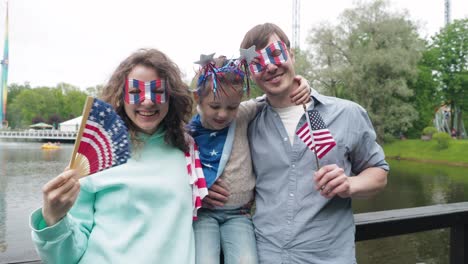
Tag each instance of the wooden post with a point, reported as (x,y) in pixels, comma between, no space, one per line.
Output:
(459,244)
(86,109)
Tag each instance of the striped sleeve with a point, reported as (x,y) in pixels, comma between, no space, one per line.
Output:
(196,177)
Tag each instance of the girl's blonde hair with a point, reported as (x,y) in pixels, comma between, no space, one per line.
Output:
(227,74)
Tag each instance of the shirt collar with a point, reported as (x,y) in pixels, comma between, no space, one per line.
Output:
(317,98)
(159,133)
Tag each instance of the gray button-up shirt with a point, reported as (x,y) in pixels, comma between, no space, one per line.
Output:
(293,222)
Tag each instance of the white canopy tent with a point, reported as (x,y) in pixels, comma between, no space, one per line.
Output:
(71,125)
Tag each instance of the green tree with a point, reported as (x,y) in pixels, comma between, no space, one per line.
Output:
(55,120)
(426,99)
(73,103)
(370,57)
(303,63)
(255,91)
(450,46)
(329,61)
(46,103)
(28,104)
(13,90)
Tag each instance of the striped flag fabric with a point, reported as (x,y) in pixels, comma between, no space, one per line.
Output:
(197,179)
(320,140)
(102,141)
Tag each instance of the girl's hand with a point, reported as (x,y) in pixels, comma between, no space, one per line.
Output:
(59,195)
(302,94)
(217,195)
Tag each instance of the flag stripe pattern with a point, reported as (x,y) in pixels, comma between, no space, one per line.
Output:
(195,173)
(269,55)
(105,138)
(148,90)
(320,140)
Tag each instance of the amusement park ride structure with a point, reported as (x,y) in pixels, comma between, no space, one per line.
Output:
(4,81)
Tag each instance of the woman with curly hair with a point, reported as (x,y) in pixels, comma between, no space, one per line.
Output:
(141,211)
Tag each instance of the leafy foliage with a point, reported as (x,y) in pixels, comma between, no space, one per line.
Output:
(426,97)
(28,105)
(303,63)
(37,119)
(429,131)
(442,140)
(450,66)
(55,119)
(370,57)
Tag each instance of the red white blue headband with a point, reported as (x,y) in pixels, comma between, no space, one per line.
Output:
(137,91)
(274,53)
(209,71)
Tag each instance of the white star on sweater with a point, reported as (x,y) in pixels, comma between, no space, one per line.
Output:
(214,152)
(213,134)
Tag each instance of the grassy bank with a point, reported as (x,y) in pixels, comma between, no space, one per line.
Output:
(427,151)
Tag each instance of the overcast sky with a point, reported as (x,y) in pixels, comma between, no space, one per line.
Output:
(82,41)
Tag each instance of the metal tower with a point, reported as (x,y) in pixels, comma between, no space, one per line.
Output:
(4,80)
(296,25)
(447,12)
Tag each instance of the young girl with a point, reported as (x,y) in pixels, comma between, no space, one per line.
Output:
(220,130)
(141,211)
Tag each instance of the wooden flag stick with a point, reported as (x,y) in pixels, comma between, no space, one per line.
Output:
(311,135)
(84,119)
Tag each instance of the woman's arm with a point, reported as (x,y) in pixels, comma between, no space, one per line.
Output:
(63,239)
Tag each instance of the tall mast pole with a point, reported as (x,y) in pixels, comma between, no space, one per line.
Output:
(4,83)
(296,25)
(447,12)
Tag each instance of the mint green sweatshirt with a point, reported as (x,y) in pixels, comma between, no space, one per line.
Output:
(139,212)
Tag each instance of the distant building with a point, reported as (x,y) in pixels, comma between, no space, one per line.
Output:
(71,125)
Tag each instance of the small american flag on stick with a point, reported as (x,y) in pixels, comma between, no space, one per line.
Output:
(102,140)
(320,140)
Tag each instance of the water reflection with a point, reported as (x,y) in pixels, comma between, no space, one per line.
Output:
(412,184)
(25,167)
(3,183)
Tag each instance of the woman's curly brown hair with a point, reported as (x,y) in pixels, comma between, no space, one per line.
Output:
(180,101)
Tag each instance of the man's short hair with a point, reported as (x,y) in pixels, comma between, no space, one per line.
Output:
(260,34)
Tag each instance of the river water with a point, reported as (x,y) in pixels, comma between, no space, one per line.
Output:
(24,168)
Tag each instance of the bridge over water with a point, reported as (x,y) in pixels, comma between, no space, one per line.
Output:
(50,135)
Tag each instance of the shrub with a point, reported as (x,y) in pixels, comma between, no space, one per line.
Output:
(429,131)
(388,138)
(442,139)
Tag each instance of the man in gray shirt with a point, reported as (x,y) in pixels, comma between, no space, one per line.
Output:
(303,213)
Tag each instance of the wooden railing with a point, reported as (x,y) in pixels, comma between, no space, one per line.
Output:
(38,135)
(410,220)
